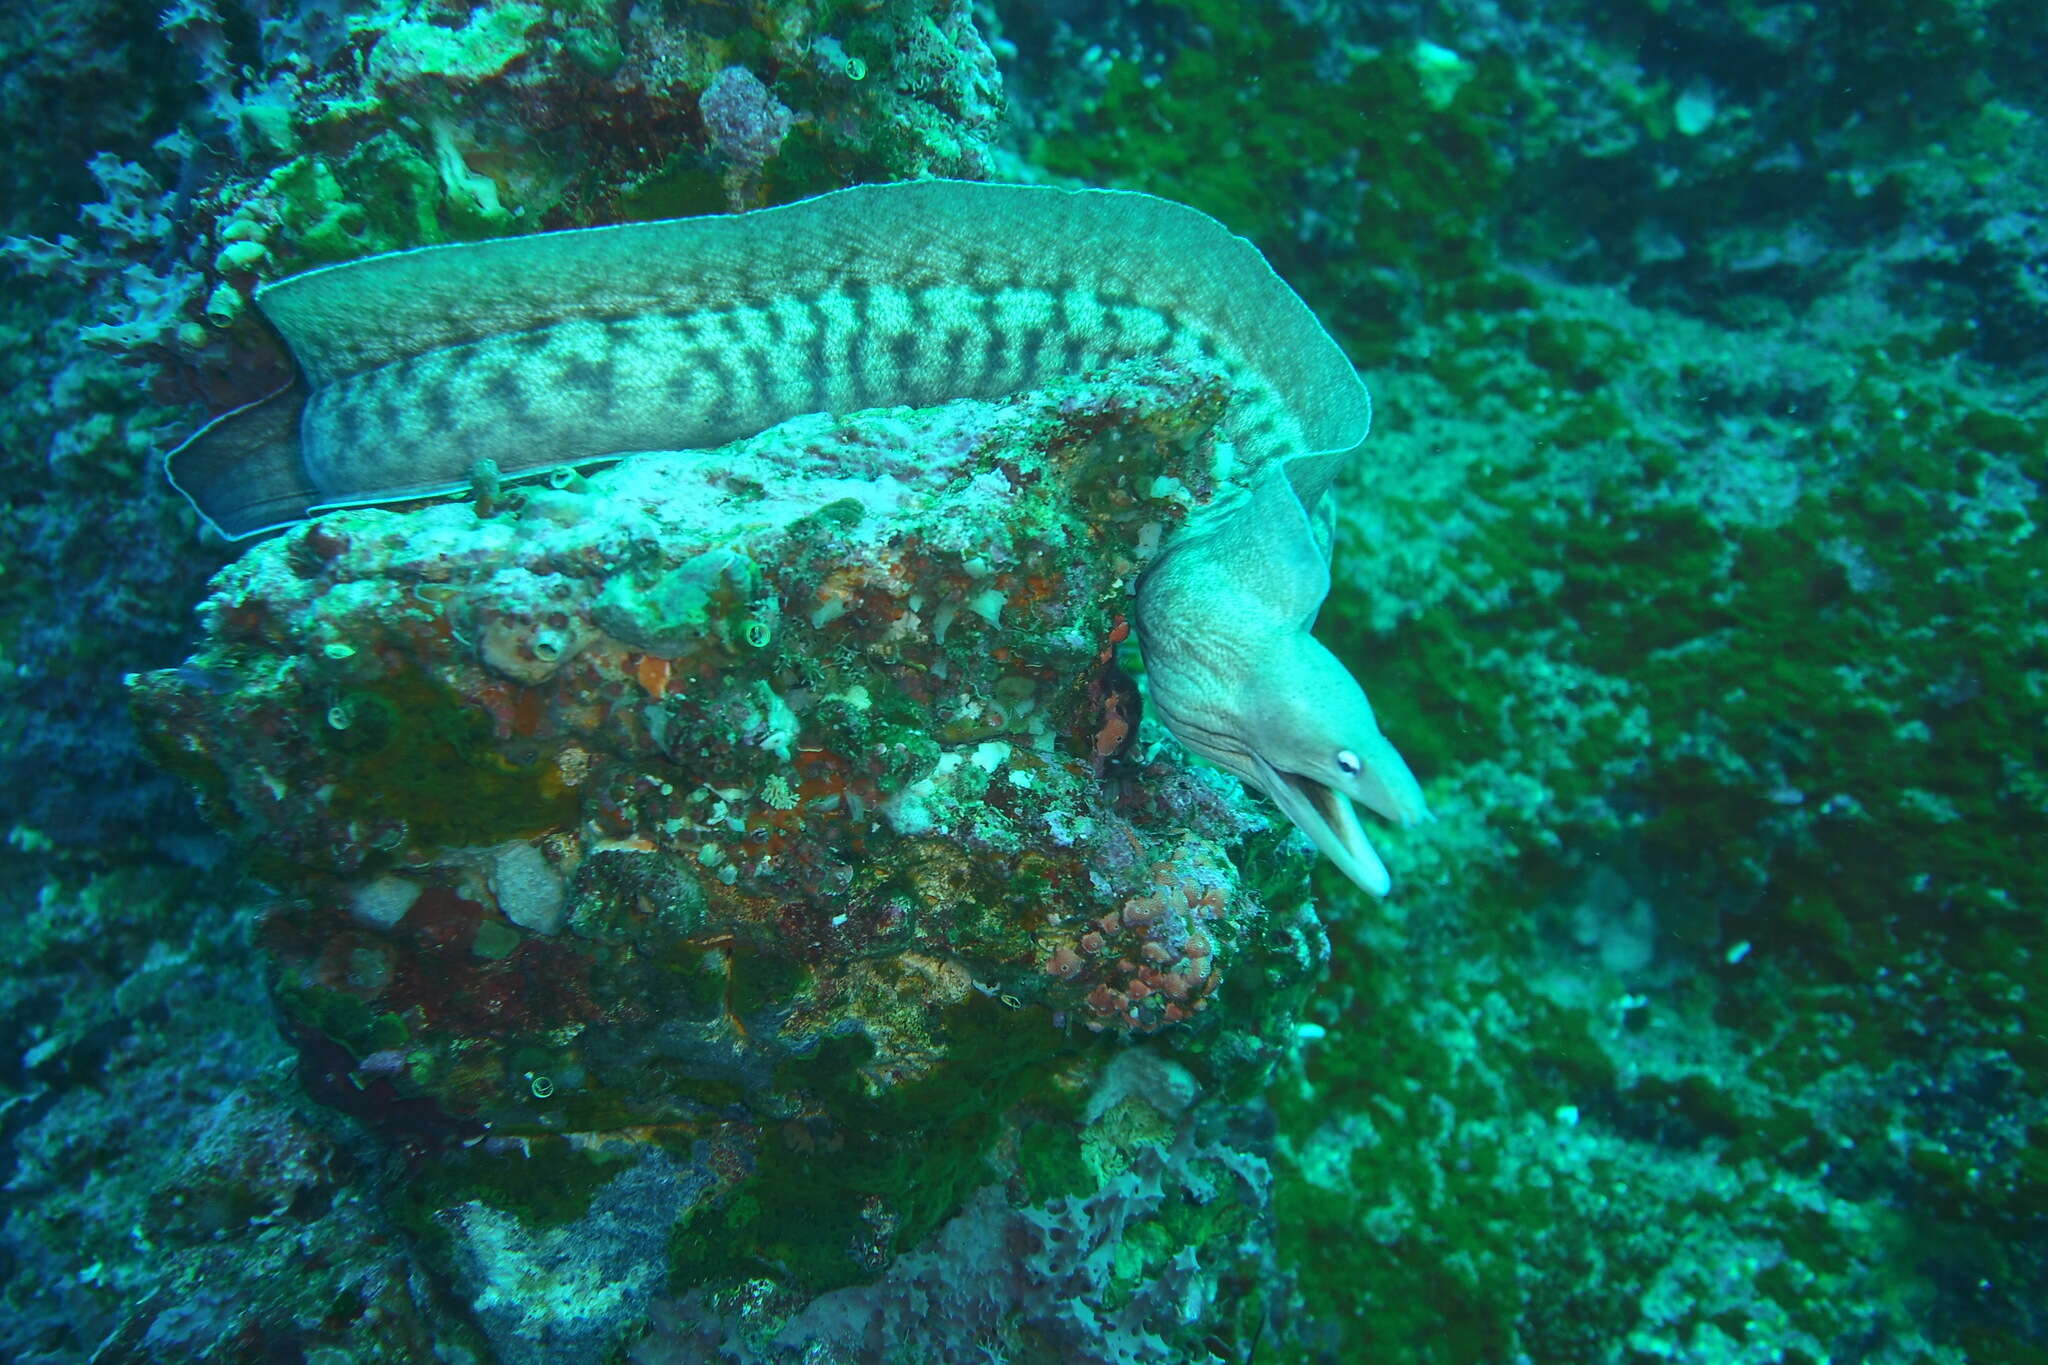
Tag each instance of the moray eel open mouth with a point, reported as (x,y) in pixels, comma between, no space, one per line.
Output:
(1326,816)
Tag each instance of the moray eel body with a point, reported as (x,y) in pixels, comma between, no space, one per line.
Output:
(562,348)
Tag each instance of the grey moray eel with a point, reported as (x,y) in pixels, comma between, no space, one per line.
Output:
(560,348)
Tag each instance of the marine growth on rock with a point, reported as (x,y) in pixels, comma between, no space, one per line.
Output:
(738,804)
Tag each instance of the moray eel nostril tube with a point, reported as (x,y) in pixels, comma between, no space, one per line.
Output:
(561,348)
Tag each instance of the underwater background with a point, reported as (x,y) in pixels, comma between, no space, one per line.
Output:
(730,910)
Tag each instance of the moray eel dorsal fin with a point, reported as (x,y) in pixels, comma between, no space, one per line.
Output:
(561,348)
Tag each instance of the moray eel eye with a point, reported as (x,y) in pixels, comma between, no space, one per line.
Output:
(1349,763)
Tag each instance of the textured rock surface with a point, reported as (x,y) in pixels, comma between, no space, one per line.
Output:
(744,812)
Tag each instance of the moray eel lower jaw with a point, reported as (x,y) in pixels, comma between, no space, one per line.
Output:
(1322,809)
(1327,818)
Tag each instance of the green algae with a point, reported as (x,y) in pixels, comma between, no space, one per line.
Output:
(412,751)
(548,1185)
(813,1201)
(347,1019)
(1052,1160)
(1800,668)
(1428,177)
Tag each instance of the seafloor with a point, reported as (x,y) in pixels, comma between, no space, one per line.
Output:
(722,910)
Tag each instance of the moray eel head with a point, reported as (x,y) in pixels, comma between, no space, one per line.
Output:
(1314,746)
(1298,727)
